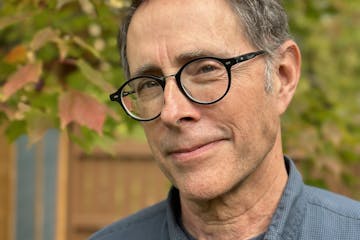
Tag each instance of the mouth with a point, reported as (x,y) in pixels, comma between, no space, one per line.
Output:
(194,152)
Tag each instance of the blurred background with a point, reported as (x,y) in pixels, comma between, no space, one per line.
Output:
(71,162)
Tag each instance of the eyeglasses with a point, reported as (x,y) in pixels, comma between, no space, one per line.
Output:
(204,80)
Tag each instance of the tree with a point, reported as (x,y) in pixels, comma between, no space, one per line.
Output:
(322,127)
(58,64)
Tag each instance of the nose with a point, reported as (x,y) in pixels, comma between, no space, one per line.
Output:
(177,109)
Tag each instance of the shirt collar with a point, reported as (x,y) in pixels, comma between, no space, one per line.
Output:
(287,220)
(173,215)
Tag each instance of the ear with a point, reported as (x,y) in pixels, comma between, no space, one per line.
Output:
(287,74)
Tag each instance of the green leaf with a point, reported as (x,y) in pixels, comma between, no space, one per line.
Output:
(37,125)
(61,3)
(86,46)
(94,76)
(63,47)
(15,130)
(10,20)
(42,37)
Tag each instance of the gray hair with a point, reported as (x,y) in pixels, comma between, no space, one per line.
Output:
(263,21)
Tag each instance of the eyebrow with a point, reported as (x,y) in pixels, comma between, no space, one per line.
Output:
(183,58)
(188,56)
(147,69)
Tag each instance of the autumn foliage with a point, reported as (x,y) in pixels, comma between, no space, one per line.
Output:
(59,62)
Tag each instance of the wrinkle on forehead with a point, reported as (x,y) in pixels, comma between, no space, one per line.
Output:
(180,60)
(218,14)
(163,30)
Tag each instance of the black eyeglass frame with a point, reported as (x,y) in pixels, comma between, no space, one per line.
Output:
(227,62)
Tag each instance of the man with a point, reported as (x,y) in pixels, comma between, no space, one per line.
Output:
(209,80)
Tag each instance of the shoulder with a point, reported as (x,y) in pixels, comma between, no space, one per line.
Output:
(330,216)
(332,202)
(145,224)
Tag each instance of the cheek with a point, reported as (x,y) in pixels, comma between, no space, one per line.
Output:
(252,114)
(155,134)
(152,136)
(241,105)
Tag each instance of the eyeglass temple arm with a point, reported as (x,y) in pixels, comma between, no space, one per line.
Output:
(248,56)
(116,96)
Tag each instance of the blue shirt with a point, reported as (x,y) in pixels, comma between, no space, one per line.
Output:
(303,213)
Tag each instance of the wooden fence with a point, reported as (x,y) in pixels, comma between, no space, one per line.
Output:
(105,188)
(54,191)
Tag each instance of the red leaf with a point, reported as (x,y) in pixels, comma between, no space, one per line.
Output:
(83,109)
(27,74)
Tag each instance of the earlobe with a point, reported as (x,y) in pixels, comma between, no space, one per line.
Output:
(288,73)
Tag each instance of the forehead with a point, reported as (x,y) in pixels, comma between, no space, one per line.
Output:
(185,9)
(161,30)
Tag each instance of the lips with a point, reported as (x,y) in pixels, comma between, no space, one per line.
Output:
(193,150)
(190,149)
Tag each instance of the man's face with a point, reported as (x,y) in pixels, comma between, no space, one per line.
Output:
(205,150)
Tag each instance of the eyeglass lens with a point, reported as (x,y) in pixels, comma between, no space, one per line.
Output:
(143,98)
(203,81)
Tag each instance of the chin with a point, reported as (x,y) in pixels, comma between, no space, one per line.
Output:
(204,190)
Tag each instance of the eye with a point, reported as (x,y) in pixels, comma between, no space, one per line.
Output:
(203,66)
(207,68)
(144,85)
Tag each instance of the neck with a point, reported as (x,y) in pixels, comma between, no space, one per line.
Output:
(243,212)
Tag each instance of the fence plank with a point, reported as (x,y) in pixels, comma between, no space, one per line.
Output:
(61,231)
(7,177)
